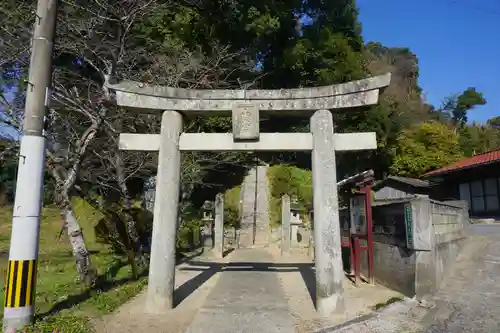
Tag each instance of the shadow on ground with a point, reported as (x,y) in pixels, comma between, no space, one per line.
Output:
(209,269)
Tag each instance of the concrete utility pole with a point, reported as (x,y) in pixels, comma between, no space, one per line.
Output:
(20,283)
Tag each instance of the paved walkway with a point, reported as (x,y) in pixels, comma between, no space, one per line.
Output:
(247,298)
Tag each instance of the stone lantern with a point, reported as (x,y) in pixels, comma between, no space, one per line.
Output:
(208,224)
(295,220)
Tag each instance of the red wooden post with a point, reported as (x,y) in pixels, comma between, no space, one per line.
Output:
(350,240)
(369,218)
(352,254)
(357,264)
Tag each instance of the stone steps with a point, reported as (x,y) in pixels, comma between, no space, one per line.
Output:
(255,208)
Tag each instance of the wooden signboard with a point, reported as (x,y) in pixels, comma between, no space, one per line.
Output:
(358,215)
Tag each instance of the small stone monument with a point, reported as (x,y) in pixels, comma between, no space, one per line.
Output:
(208,223)
(219,226)
(285,224)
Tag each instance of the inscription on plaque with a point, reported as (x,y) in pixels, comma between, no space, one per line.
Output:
(409,226)
(246,123)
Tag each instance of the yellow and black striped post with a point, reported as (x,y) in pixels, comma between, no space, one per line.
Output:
(19,308)
(20,284)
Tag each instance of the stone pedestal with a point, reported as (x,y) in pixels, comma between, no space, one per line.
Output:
(295,222)
(207,235)
(295,231)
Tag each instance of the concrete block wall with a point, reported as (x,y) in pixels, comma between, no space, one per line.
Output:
(394,263)
(450,220)
(438,234)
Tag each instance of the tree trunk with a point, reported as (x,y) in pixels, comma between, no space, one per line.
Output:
(65,180)
(75,234)
(130,222)
(82,258)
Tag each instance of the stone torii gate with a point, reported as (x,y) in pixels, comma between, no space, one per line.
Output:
(245,107)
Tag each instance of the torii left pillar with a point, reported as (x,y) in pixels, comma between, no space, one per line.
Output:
(166,211)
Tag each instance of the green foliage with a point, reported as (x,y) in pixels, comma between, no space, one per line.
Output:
(288,179)
(458,105)
(327,60)
(62,323)
(494,122)
(171,28)
(261,23)
(424,147)
(477,139)
(8,170)
(232,211)
(7,182)
(111,228)
(188,234)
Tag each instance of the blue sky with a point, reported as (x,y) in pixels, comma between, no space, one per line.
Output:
(457,43)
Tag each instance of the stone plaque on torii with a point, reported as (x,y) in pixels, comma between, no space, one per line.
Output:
(245,107)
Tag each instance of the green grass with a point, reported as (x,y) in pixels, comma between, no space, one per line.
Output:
(62,302)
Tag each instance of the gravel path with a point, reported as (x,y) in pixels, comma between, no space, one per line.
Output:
(469,301)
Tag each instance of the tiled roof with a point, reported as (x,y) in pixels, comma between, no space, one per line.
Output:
(476,160)
(365,175)
(410,181)
(405,180)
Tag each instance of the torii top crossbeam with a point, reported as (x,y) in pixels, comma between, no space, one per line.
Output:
(148,98)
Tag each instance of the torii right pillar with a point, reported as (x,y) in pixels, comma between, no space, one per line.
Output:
(327,239)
